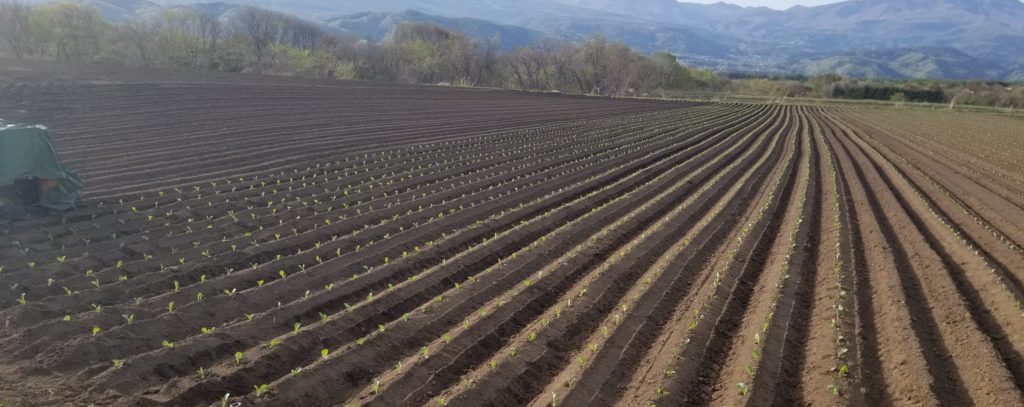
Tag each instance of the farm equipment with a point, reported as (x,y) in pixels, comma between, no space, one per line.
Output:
(33,182)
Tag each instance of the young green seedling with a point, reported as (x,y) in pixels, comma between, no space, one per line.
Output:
(833,389)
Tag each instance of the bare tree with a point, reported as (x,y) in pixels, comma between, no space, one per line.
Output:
(139,37)
(14,27)
(299,33)
(209,31)
(261,28)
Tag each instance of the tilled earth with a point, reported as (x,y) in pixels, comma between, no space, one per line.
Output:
(273,241)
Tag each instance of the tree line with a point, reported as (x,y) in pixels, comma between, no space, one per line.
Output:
(254,40)
(251,39)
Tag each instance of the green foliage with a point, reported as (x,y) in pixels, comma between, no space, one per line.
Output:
(292,61)
(68,31)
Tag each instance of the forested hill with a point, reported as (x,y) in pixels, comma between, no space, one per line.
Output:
(951,39)
(948,39)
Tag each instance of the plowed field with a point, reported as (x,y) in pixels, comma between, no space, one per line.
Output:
(355,244)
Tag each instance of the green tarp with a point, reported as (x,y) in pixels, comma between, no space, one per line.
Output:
(25,152)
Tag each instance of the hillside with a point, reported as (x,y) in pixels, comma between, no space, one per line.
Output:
(952,39)
(378,25)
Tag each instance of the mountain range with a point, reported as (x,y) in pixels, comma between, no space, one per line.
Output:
(951,39)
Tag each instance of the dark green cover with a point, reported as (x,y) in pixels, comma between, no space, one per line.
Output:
(26,151)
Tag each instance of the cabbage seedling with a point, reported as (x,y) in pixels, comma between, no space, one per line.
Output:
(238,357)
(833,389)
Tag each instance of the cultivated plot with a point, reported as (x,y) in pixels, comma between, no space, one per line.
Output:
(362,245)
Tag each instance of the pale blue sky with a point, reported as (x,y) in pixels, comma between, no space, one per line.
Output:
(776,4)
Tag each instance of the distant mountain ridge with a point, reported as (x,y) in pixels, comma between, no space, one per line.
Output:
(378,25)
(952,39)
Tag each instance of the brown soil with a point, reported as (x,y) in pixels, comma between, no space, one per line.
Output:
(476,247)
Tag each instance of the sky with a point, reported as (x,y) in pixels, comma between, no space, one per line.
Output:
(776,4)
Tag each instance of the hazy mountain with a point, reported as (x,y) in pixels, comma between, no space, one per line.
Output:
(900,38)
(957,39)
(115,10)
(378,25)
(936,62)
